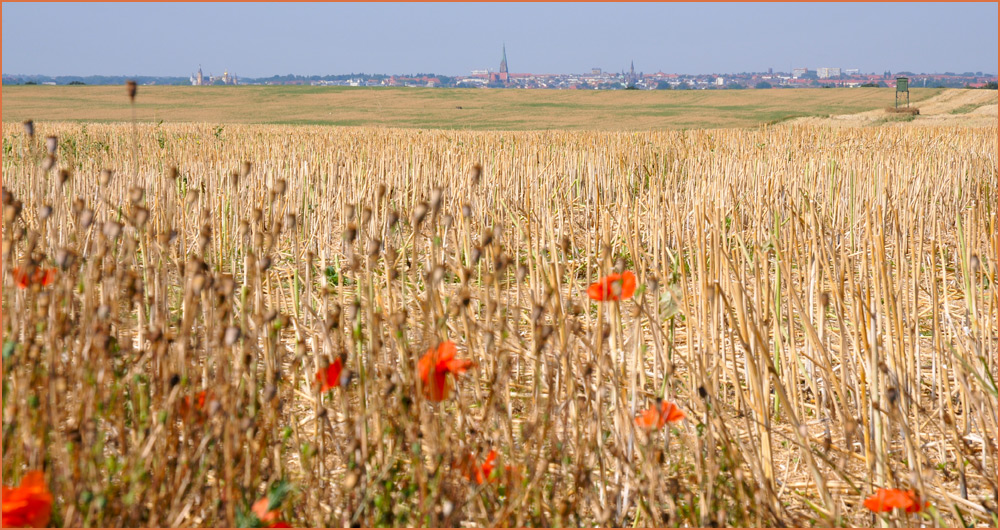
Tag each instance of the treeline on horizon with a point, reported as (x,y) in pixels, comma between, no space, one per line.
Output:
(20,79)
(445,81)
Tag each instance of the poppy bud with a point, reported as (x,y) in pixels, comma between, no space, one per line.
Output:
(132,88)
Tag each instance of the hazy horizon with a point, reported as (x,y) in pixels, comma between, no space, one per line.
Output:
(263,40)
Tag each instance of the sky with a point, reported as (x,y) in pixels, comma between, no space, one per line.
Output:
(265,39)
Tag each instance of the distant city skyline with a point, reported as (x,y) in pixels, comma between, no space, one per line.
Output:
(261,40)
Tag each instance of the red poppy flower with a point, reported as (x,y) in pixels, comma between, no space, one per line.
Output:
(24,277)
(435,366)
(259,509)
(480,474)
(885,499)
(613,287)
(28,505)
(329,377)
(187,405)
(657,416)
(279,524)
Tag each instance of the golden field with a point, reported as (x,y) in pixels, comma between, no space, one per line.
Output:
(820,303)
(447,108)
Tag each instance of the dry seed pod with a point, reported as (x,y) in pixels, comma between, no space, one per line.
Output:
(381,191)
(232,335)
(112,229)
(132,88)
(436,198)
(63,176)
(139,217)
(351,233)
(51,144)
(392,219)
(374,245)
(280,186)
(49,163)
(105,178)
(477,174)
(86,218)
(29,128)
(419,213)
(11,212)
(466,210)
(289,221)
(44,212)
(173,173)
(245,169)
(135,194)
(366,215)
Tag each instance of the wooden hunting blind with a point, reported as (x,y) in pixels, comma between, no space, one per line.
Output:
(903,87)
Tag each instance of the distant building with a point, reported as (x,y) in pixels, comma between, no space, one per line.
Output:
(631,78)
(826,73)
(199,79)
(503,76)
(720,81)
(799,72)
(852,71)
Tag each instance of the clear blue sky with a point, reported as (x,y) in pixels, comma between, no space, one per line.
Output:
(257,40)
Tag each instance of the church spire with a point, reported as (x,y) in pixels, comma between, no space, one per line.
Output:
(503,62)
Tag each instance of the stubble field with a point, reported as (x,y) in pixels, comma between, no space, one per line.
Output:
(242,312)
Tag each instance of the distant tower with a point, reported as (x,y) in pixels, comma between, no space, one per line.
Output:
(504,75)
(201,77)
(632,79)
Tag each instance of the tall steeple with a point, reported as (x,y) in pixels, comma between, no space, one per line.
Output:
(502,76)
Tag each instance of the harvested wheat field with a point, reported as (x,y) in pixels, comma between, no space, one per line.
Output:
(265,325)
